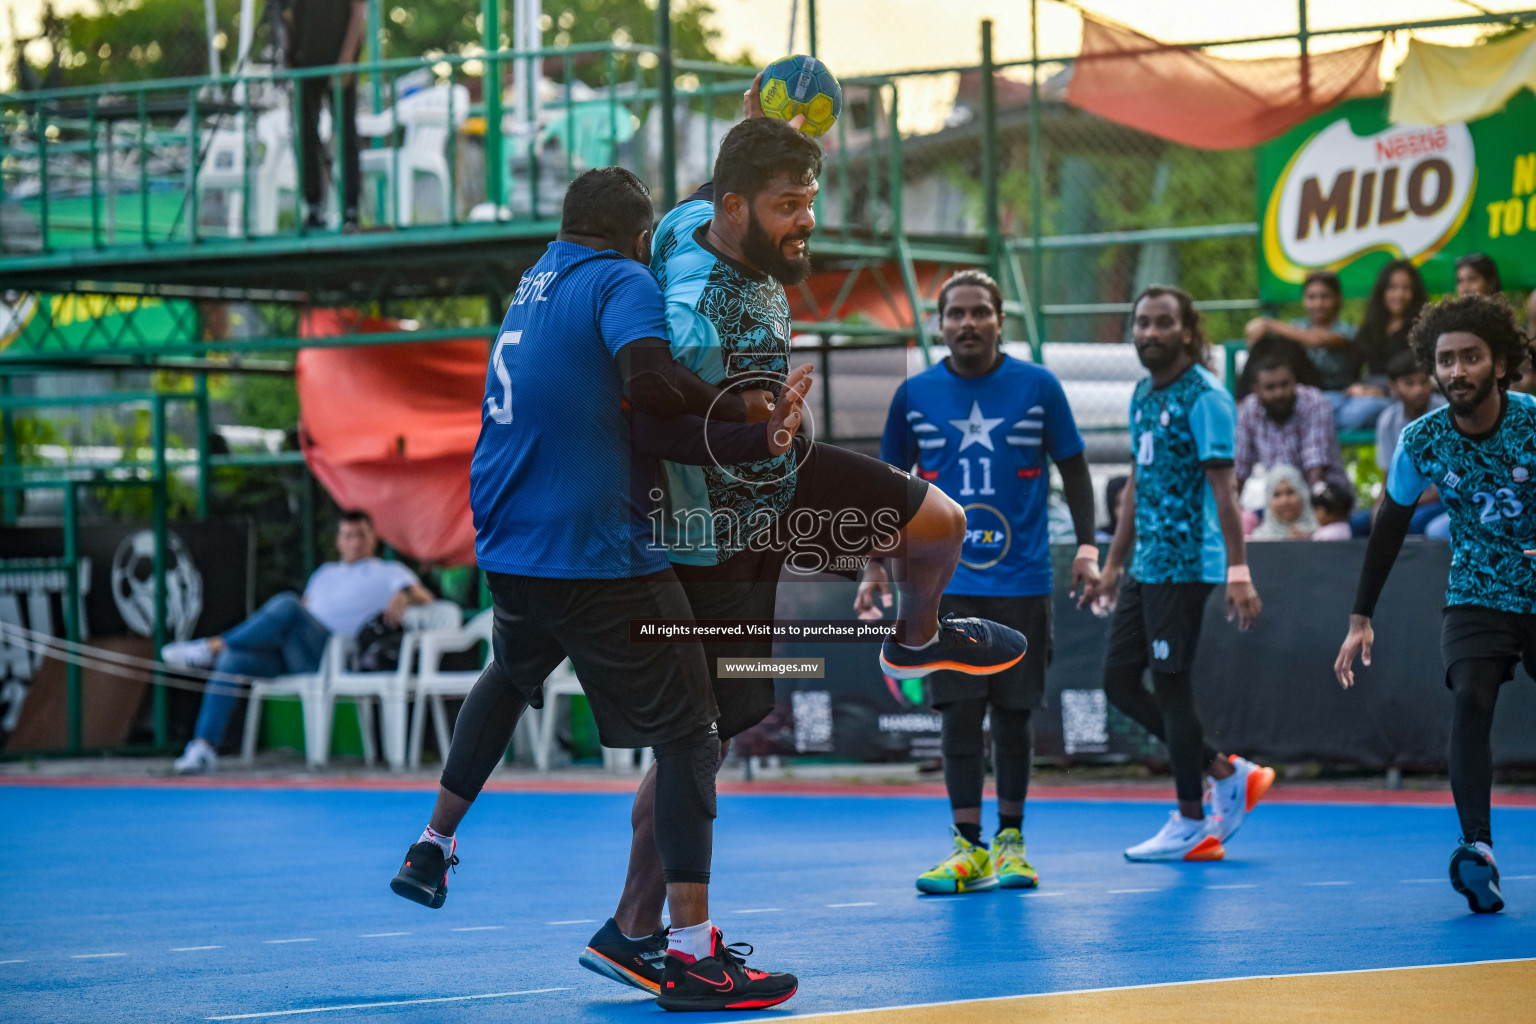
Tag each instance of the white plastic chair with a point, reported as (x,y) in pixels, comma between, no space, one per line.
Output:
(433,683)
(272,170)
(562,682)
(423,117)
(388,688)
(308,687)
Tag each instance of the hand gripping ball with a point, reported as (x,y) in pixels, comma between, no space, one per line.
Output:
(802,85)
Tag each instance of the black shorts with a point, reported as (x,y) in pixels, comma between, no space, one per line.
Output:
(844,503)
(1019,688)
(1472,631)
(1156,625)
(642,695)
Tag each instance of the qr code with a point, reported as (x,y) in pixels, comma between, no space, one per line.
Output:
(812,710)
(1084,721)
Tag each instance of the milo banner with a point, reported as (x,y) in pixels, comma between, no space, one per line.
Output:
(1349,191)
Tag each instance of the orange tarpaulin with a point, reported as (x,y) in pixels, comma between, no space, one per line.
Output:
(1187,96)
(391,428)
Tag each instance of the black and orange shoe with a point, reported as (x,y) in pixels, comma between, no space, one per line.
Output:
(423,878)
(721,981)
(627,961)
(977,647)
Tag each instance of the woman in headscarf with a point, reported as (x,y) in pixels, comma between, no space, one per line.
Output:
(1287,506)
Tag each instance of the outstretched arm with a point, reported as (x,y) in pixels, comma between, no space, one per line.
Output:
(1381,551)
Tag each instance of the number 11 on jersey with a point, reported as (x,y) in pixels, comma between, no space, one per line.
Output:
(501,412)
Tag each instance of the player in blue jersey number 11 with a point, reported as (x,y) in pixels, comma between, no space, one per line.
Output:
(1480,451)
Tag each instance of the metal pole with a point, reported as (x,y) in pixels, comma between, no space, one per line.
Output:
(204,428)
(810,19)
(990,200)
(161,707)
(1302,35)
(490,39)
(1036,170)
(72,618)
(664,97)
(11,452)
(211,29)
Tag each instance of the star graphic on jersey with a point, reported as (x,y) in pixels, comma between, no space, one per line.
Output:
(976,429)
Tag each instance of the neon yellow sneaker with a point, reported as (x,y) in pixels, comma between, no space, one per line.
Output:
(968,869)
(1013,871)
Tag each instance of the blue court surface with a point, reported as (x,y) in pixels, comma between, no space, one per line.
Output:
(185,904)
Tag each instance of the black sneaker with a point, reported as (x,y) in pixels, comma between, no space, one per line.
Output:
(423,877)
(1476,876)
(722,982)
(977,647)
(626,961)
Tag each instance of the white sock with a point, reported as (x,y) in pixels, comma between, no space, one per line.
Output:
(445,843)
(918,647)
(696,942)
(1484,849)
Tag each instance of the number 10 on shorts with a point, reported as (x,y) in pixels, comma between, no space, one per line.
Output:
(501,412)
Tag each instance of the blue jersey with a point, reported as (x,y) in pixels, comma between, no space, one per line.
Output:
(1488,485)
(1176,432)
(730,326)
(983,441)
(550,484)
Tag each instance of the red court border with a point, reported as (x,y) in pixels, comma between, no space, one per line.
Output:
(1281,793)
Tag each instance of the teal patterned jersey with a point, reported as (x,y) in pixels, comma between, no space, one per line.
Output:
(1488,485)
(1176,432)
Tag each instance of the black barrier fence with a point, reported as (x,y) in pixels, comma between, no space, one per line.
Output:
(1269,693)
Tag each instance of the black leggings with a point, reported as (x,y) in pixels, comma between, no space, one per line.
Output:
(685,773)
(1013,751)
(1167,712)
(1475,686)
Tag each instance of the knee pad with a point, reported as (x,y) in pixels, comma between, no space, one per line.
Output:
(688,767)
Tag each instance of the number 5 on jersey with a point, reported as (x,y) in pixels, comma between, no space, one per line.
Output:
(501,412)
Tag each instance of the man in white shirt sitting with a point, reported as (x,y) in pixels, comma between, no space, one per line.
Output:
(287,635)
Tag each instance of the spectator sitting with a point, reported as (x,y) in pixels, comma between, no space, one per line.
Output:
(1329,345)
(1285,423)
(1477,274)
(1287,506)
(1393,306)
(1332,506)
(1113,488)
(288,634)
(1289,352)
(1415,395)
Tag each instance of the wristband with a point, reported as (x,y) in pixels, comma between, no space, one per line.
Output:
(1239,574)
(1087,551)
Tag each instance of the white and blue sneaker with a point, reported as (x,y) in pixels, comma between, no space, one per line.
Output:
(977,647)
(1234,797)
(188,654)
(1181,839)
(1475,875)
(198,758)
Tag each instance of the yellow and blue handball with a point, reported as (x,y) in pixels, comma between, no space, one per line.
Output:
(802,85)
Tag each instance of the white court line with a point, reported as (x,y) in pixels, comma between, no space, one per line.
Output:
(577,920)
(1242,885)
(393,1002)
(1416,881)
(761,910)
(381,935)
(1327,883)
(480,928)
(1515,878)
(1131,890)
(190,949)
(92,956)
(852,904)
(813,1015)
(1037,894)
(12,961)
(279,942)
